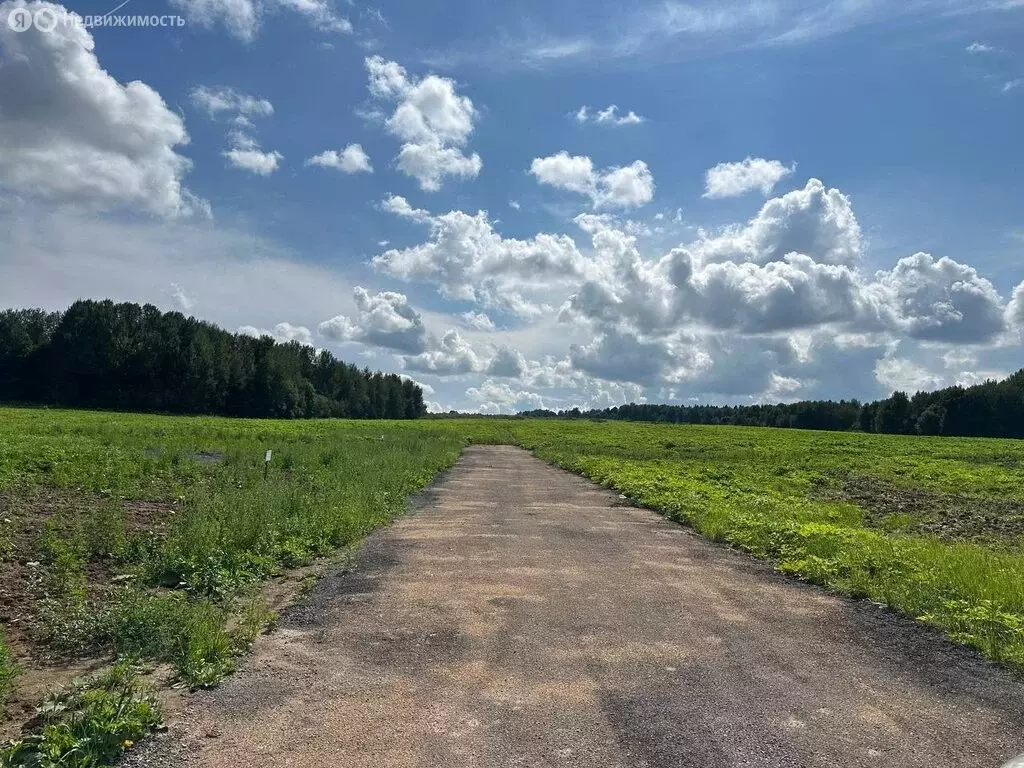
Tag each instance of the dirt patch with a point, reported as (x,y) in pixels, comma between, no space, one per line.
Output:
(23,520)
(917,511)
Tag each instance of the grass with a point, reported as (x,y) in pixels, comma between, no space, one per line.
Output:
(8,673)
(145,536)
(754,489)
(90,723)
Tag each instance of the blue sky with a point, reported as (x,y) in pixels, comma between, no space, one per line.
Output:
(792,199)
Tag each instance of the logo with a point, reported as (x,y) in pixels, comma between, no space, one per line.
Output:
(45,19)
(20,19)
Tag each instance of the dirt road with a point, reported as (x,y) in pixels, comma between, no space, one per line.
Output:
(524,617)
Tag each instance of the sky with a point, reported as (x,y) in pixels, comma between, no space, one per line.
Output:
(557,203)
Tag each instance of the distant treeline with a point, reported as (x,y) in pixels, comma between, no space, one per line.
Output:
(99,354)
(992,409)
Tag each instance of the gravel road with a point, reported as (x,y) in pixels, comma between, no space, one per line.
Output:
(525,617)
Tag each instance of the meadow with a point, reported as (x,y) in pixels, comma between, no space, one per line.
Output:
(146,538)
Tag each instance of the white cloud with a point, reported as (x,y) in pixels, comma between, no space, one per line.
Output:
(431,119)
(242,18)
(180,300)
(1015,309)
(399,206)
(468,260)
(794,293)
(352,159)
(499,397)
(246,154)
(895,373)
(429,162)
(815,221)
(216,101)
(514,205)
(793,269)
(71,133)
(478,321)
(619,187)
(319,13)
(244,151)
(608,116)
(977,48)
(451,356)
(735,179)
(281,333)
(384,320)
(1010,85)
(753,280)
(940,300)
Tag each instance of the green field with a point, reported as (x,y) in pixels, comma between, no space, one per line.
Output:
(146,537)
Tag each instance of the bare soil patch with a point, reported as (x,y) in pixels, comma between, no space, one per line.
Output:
(23,518)
(917,511)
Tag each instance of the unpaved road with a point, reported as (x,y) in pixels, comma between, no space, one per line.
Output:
(522,617)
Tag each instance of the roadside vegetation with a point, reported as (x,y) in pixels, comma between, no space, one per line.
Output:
(147,538)
(933,527)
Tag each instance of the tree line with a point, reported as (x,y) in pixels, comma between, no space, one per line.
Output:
(99,354)
(991,409)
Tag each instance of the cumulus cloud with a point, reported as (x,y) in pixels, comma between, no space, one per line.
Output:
(1015,309)
(245,153)
(384,320)
(815,221)
(729,296)
(431,119)
(478,321)
(735,179)
(399,206)
(507,363)
(452,355)
(608,116)
(940,300)
(468,260)
(623,355)
(71,133)
(352,159)
(242,18)
(221,101)
(895,373)
(499,397)
(629,186)
(281,333)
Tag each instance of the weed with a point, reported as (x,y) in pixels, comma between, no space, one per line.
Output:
(8,673)
(88,724)
(254,618)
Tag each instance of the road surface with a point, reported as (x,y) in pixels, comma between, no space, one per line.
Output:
(525,617)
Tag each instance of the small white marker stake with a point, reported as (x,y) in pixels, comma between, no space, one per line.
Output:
(266,463)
